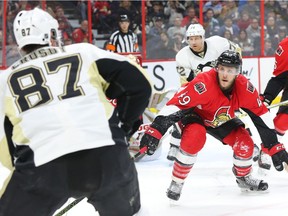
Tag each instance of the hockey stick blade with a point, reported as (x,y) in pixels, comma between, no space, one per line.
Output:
(70,206)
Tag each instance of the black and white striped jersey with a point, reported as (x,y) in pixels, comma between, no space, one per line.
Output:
(123,42)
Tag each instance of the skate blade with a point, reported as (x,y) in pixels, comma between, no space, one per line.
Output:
(247,191)
(173,203)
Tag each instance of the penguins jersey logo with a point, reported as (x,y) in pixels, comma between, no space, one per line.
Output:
(200,87)
(221,116)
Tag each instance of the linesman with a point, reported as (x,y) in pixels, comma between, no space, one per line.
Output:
(123,40)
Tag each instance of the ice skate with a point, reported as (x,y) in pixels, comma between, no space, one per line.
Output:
(248,183)
(174,190)
(172,152)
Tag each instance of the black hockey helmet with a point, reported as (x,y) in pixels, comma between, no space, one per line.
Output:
(230,58)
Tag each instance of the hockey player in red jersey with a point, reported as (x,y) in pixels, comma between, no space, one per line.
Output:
(198,56)
(65,138)
(208,103)
(276,84)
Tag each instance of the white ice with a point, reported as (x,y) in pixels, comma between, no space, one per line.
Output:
(209,190)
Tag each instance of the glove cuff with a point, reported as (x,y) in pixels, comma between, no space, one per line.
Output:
(265,100)
(276,148)
(153,132)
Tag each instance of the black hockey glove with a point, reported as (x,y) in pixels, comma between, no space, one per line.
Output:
(278,155)
(129,128)
(265,100)
(154,133)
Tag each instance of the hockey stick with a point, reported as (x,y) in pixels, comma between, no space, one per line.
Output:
(283,103)
(69,206)
(76,201)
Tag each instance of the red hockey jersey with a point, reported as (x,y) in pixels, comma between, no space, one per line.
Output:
(212,104)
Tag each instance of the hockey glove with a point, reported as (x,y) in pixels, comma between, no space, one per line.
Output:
(265,100)
(130,128)
(154,133)
(278,154)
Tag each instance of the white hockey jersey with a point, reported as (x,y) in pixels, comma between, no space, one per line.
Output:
(187,60)
(56,101)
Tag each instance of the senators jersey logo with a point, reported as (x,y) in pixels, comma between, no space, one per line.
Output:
(279,51)
(200,87)
(250,87)
(221,116)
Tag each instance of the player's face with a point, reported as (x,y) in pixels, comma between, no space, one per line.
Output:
(226,76)
(196,43)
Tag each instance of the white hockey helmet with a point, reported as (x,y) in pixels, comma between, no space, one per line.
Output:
(34,27)
(195,30)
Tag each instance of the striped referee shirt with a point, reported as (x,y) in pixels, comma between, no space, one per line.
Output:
(123,42)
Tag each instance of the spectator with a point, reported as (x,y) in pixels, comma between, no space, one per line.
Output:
(272,27)
(82,9)
(244,21)
(252,7)
(245,44)
(12,52)
(178,42)
(211,25)
(81,34)
(123,40)
(268,48)
(157,10)
(173,9)
(176,28)
(228,35)
(102,16)
(232,10)
(63,31)
(215,5)
(127,7)
(228,25)
(282,33)
(272,5)
(59,13)
(189,17)
(223,15)
(253,30)
(164,49)
(158,27)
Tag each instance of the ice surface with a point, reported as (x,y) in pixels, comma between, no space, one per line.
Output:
(210,189)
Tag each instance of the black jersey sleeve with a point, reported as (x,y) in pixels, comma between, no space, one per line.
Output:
(128,85)
(275,85)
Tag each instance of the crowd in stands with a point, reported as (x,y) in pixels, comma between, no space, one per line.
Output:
(167,20)
(238,21)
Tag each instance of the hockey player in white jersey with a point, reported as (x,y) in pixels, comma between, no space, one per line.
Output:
(198,56)
(60,136)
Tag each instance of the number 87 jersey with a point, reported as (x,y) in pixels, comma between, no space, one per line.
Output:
(55,100)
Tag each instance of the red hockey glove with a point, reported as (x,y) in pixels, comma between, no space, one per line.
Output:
(278,154)
(154,133)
